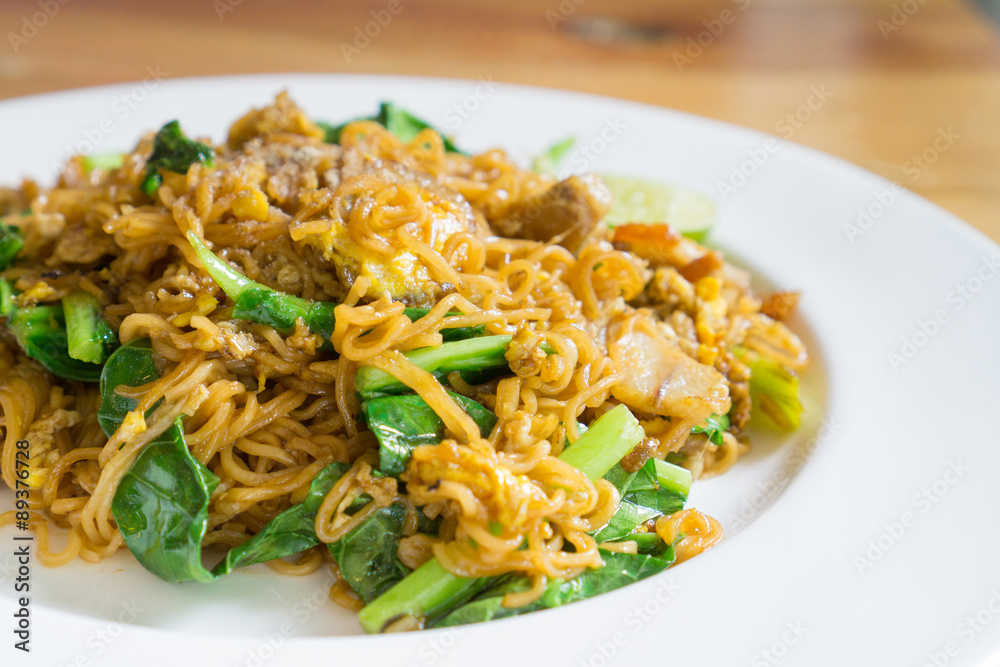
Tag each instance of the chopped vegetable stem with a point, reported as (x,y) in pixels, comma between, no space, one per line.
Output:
(430,590)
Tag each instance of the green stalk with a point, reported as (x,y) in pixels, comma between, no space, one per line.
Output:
(103,161)
(604,444)
(232,282)
(428,592)
(673,478)
(41,332)
(88,335)
(259,303)
(774,390)
(7,305)
(431,591)
(450,334)
(473,354)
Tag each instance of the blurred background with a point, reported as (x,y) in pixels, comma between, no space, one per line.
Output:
(909,89)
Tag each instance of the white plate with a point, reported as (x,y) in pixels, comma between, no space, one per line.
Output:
(849,564)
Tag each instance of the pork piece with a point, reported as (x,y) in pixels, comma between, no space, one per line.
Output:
(660,378)
(569,211)
(663,246)
(80,244)
(780,305)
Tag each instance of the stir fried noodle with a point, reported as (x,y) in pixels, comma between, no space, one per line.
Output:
(588,317)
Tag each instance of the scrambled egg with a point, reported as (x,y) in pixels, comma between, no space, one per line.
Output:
(370,216)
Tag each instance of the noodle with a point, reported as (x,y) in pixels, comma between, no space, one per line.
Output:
(690,531)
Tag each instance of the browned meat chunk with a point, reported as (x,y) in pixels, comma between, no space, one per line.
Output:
(567,211)
(780,305)
(80,244)
(663,246)
(705,265)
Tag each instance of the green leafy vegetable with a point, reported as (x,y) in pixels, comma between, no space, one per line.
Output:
(397,120)
(130,365)
(90,337)
(660,486)
(11,243)
(647,543)
(172,151)
(161,508)
(714,427)
(291,532)
(367,556)
(401,423)
(150,500)
(161,504)
(619,570)
(774,390)
(621,478)
(628,518)
(657,488)
(548,162)
(331,132)
(260,303)
(431,591)
(41,332)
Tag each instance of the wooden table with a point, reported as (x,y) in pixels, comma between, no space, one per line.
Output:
(900,72)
